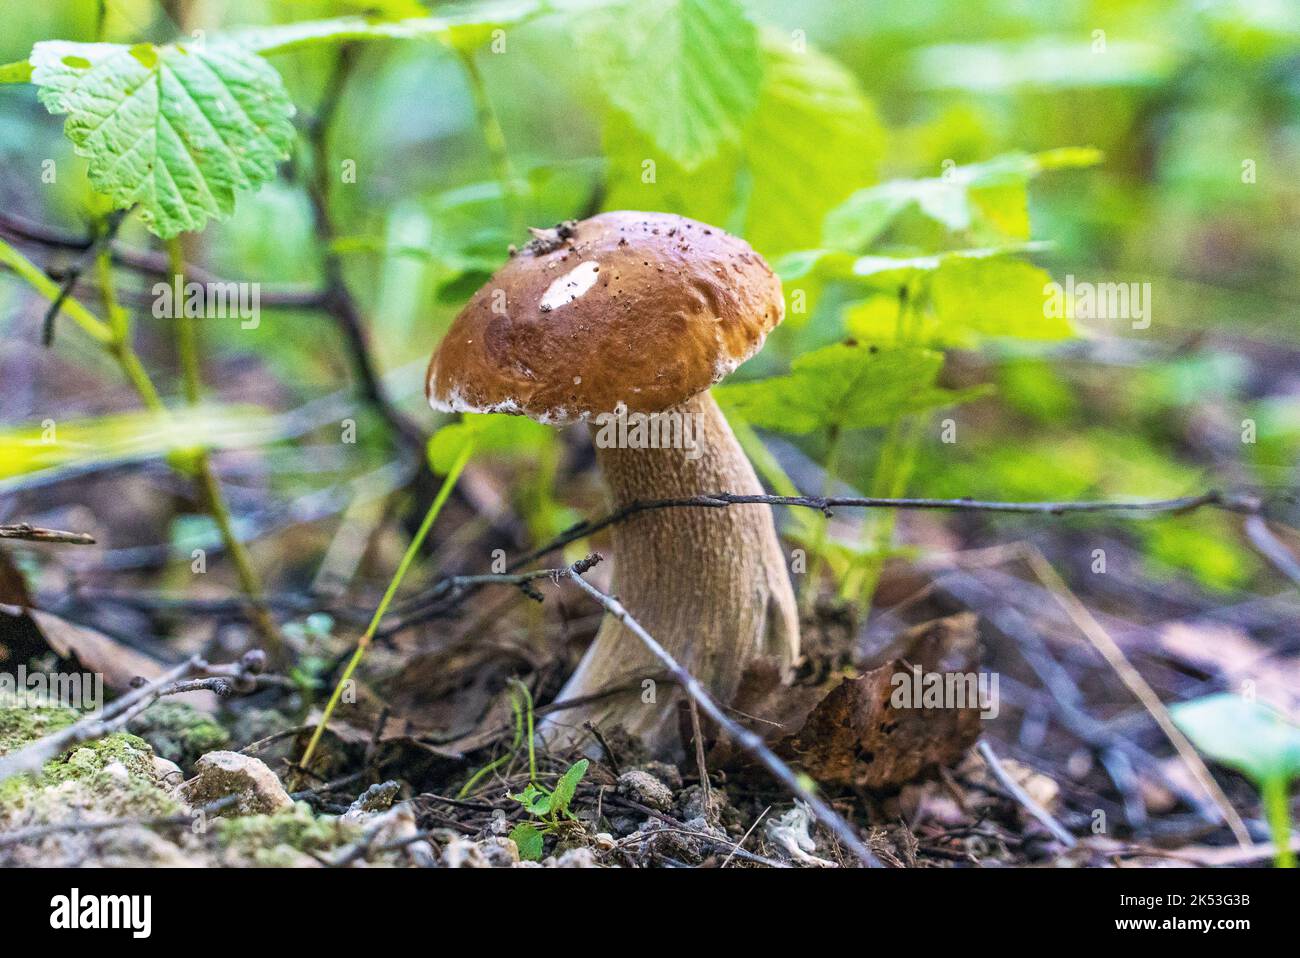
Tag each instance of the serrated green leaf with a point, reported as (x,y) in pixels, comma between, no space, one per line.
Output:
(567,786)
(1242,734)
(988,197)
(640,178)
(685,72)
(176,129)
(529,840)
(465,27)
(848,385)
(535,800)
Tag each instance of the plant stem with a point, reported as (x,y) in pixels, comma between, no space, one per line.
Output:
(892,473)
(34,277)
(494,138)
(191,376)
(832,466)
(1277,810)
(367,637)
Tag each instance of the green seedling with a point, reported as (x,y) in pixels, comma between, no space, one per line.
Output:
(550,808)
(1258,742)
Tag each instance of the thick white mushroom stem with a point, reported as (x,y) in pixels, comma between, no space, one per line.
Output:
(709,584)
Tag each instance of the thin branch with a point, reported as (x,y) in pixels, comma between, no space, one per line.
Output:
(30,533)
(1020,795)
(144,262)
(1272,548)
(742,736)
(1114,656)
(443,595)
(337,299)
(208,483)
(102,240)
(222,679)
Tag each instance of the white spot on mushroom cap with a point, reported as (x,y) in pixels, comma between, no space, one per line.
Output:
(576,282)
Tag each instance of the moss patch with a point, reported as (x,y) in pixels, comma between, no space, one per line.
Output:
(112,776)
(280,839)
(180,733)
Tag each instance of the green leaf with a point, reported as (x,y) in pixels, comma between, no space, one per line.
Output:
(815,138)
(496,432)
(1242,734)
(529,840)
(812,140)
(18,72)
(642,179)
(535,800)
(686,72)
(176,129)
(849,385)
(465,28)
(1041,63)
(991,296)
(567,786)
(990,198)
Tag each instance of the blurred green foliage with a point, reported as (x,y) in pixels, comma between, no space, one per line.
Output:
(918,173)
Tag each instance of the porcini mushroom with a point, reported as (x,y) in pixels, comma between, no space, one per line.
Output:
(628,314)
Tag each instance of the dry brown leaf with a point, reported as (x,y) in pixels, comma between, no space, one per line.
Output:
(93,651)
(855,735)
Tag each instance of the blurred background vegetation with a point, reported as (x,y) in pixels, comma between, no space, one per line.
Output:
(1193,105)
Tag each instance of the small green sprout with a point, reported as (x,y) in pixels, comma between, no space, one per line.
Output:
(550,808)
(1258,742)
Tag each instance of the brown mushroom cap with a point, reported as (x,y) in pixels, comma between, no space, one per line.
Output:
(647,309)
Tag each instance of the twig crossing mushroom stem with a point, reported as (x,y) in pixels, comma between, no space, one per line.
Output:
(742,736)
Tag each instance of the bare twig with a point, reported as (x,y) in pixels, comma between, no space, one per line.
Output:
(30,533)
(1020,795)
(446,593)
(1110,651)
(106,233)
(337,299)
(144,262)
(1271,547)
(742,736)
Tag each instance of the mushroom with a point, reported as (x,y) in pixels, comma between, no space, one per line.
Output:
(624,321)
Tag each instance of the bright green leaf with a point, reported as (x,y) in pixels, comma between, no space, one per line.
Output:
(1242,734)
(134,436)
(176,129)
(686,72)
(849,385)
(529,840)
(19,72)
(815,138)
(567,786)
(991,296)
(990,197)
(489,433)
